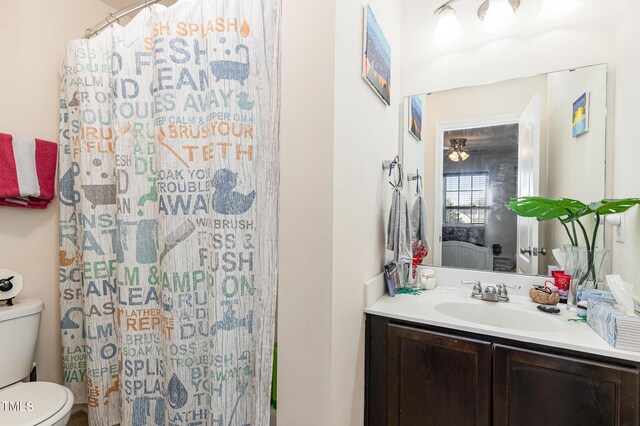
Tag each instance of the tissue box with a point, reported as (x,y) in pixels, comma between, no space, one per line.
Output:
(590,294)
(618,329)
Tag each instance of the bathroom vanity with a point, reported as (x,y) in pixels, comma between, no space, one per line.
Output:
(443,358)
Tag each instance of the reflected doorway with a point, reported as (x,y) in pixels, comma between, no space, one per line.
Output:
(478,175)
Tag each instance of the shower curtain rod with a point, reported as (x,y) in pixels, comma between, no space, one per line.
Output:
(115,17)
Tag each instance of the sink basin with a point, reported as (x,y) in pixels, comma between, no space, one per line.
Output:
(500,315)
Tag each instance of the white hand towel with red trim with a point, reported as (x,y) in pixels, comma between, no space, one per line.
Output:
(27,171)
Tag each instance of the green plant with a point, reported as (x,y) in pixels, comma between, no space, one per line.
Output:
(569,212)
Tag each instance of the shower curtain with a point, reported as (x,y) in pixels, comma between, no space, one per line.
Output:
(168,215)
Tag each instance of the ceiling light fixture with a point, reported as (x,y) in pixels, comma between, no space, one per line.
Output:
(554,11)
(457,150)
(448,29)
(497,15)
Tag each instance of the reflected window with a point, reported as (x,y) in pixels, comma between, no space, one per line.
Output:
(465,198)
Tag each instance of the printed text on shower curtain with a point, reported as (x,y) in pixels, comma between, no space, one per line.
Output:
(168,202)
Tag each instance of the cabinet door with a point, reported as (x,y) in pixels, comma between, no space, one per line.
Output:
(532,388)
(436,379)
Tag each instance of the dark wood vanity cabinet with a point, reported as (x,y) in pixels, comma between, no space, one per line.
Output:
(532,388)
(420,375)
(429,371)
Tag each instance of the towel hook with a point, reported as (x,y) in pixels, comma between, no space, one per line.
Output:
(389,165)
(418,180)
(400,178)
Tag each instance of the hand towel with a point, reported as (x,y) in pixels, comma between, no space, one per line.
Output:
(27,171)
(419,232)
(399,229)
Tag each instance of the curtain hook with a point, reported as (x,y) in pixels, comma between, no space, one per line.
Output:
(146,2)
(88,33)
(113,19)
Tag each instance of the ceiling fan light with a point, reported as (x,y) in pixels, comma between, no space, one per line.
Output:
(555,11)
(464,155)
(499,16)
(448,29)
(453,156)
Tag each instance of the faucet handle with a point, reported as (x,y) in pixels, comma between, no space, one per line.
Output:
(503,296)
(477,288)
(505,286)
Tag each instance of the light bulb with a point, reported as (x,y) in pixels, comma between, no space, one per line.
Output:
(448,29)
(499,16)
(464,155)
(554,11)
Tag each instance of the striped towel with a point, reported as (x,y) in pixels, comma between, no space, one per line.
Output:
(27,171)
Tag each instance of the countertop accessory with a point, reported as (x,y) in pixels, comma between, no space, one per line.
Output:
(613,325)
(428,279)
(410,291)
(549,309)
(582,308)
(543,295)
(392,278)
(562,282)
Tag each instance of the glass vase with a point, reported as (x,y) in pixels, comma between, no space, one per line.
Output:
(586,267)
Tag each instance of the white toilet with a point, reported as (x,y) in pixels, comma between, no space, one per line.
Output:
(33,403)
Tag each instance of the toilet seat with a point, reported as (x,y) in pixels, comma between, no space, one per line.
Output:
(50,402)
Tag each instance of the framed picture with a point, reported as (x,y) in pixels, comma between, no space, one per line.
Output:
(376,57)
(580,121)
(415,117)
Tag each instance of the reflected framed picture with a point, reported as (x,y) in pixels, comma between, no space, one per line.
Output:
(580,124)
(415,117)
(376,57)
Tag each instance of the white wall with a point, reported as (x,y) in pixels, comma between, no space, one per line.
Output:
(33,35)
(366,132)
(527,49)
(626,177)
(306,213)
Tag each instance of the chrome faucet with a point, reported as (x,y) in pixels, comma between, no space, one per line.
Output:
(490,293)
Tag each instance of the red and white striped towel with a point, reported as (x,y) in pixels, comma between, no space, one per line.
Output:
(27,171)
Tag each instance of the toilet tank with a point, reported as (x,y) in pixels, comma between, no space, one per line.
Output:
(18,335)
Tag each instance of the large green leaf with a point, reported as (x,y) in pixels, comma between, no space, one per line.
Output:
(604,207)
(544,208)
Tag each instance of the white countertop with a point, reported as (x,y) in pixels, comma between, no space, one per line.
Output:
(553,329)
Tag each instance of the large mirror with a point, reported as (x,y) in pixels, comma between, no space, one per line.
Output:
(477,147)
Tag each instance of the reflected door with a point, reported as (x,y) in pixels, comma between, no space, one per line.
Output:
(528,184)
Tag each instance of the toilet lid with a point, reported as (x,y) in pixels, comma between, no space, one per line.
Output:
(28,404)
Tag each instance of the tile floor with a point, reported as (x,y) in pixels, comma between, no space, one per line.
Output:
(79,419)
